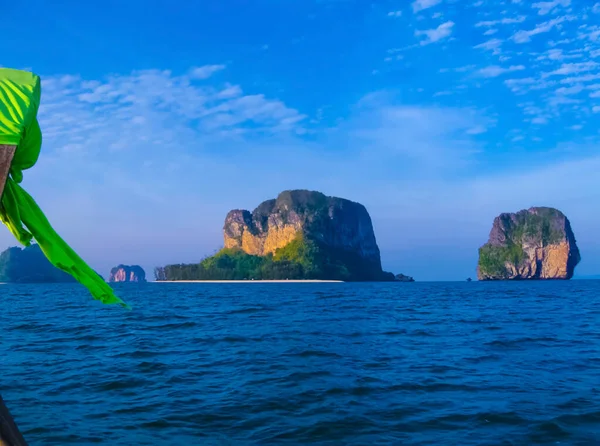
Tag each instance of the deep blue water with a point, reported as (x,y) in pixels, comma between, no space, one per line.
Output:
(243,364)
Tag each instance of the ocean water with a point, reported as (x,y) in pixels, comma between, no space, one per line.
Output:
(334,364)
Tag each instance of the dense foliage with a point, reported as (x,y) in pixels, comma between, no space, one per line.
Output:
(302,259)
(29,265)
(537,226)
(493,259)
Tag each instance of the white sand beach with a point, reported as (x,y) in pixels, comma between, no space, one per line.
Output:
(248,281)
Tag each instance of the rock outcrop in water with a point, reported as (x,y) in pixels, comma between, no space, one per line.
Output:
(126,273)
(536,243)
(403,278)
(29,265)
(334,222)
(299,235)
(334,225)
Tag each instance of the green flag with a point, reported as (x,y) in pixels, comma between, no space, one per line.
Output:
(19,102)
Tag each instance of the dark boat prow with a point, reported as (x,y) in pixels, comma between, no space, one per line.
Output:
(9,432)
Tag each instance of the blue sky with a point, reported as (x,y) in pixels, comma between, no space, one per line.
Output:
(159,117)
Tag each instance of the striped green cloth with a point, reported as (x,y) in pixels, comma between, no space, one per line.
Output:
(19,102)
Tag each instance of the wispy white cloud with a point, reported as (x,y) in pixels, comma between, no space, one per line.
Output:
(420,5)
(495,70)
(558,55)
(550,6)
(577,79)
(395,14)
(520,85)
(591,33)
(478,130)
(573,68)
(539,120)
(434,35)
(112,113)
(492,45)
(205,71)
(525,36)
(503,21)
(575,89)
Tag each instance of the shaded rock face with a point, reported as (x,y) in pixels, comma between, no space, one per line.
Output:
(126,273)
(332,222)
(29,265)
(537,243)
(403,278)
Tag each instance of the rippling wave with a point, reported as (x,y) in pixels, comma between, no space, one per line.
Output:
(409,364)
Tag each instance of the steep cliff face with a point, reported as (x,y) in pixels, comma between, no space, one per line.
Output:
(536,243)
(127,273)
(333,223)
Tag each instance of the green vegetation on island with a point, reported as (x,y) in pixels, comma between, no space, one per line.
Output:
(301,259)
(300,235)
(493,259)
(29,265)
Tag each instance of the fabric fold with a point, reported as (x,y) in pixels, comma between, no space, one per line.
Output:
(20,94)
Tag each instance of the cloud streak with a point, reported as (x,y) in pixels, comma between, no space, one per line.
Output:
(435,35)
(550,6)
(420,5)
(495,70)
(205,71)
(525,36)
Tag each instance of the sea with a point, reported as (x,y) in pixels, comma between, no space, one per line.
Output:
(480,363)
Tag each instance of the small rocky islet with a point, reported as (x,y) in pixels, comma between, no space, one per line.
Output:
(127,273)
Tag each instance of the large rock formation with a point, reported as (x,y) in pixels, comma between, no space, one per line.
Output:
(536,243)
(127,273)
(29,265)
(337,225)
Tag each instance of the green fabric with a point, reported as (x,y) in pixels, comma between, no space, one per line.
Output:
(19,101)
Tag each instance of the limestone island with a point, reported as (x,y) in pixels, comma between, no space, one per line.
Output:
(127,273)
(300,235)
(533,244)
(29,265)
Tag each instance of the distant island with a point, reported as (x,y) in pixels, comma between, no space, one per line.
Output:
(127,273)
(29,265)
(537,243)
(300,235)
(403,278)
